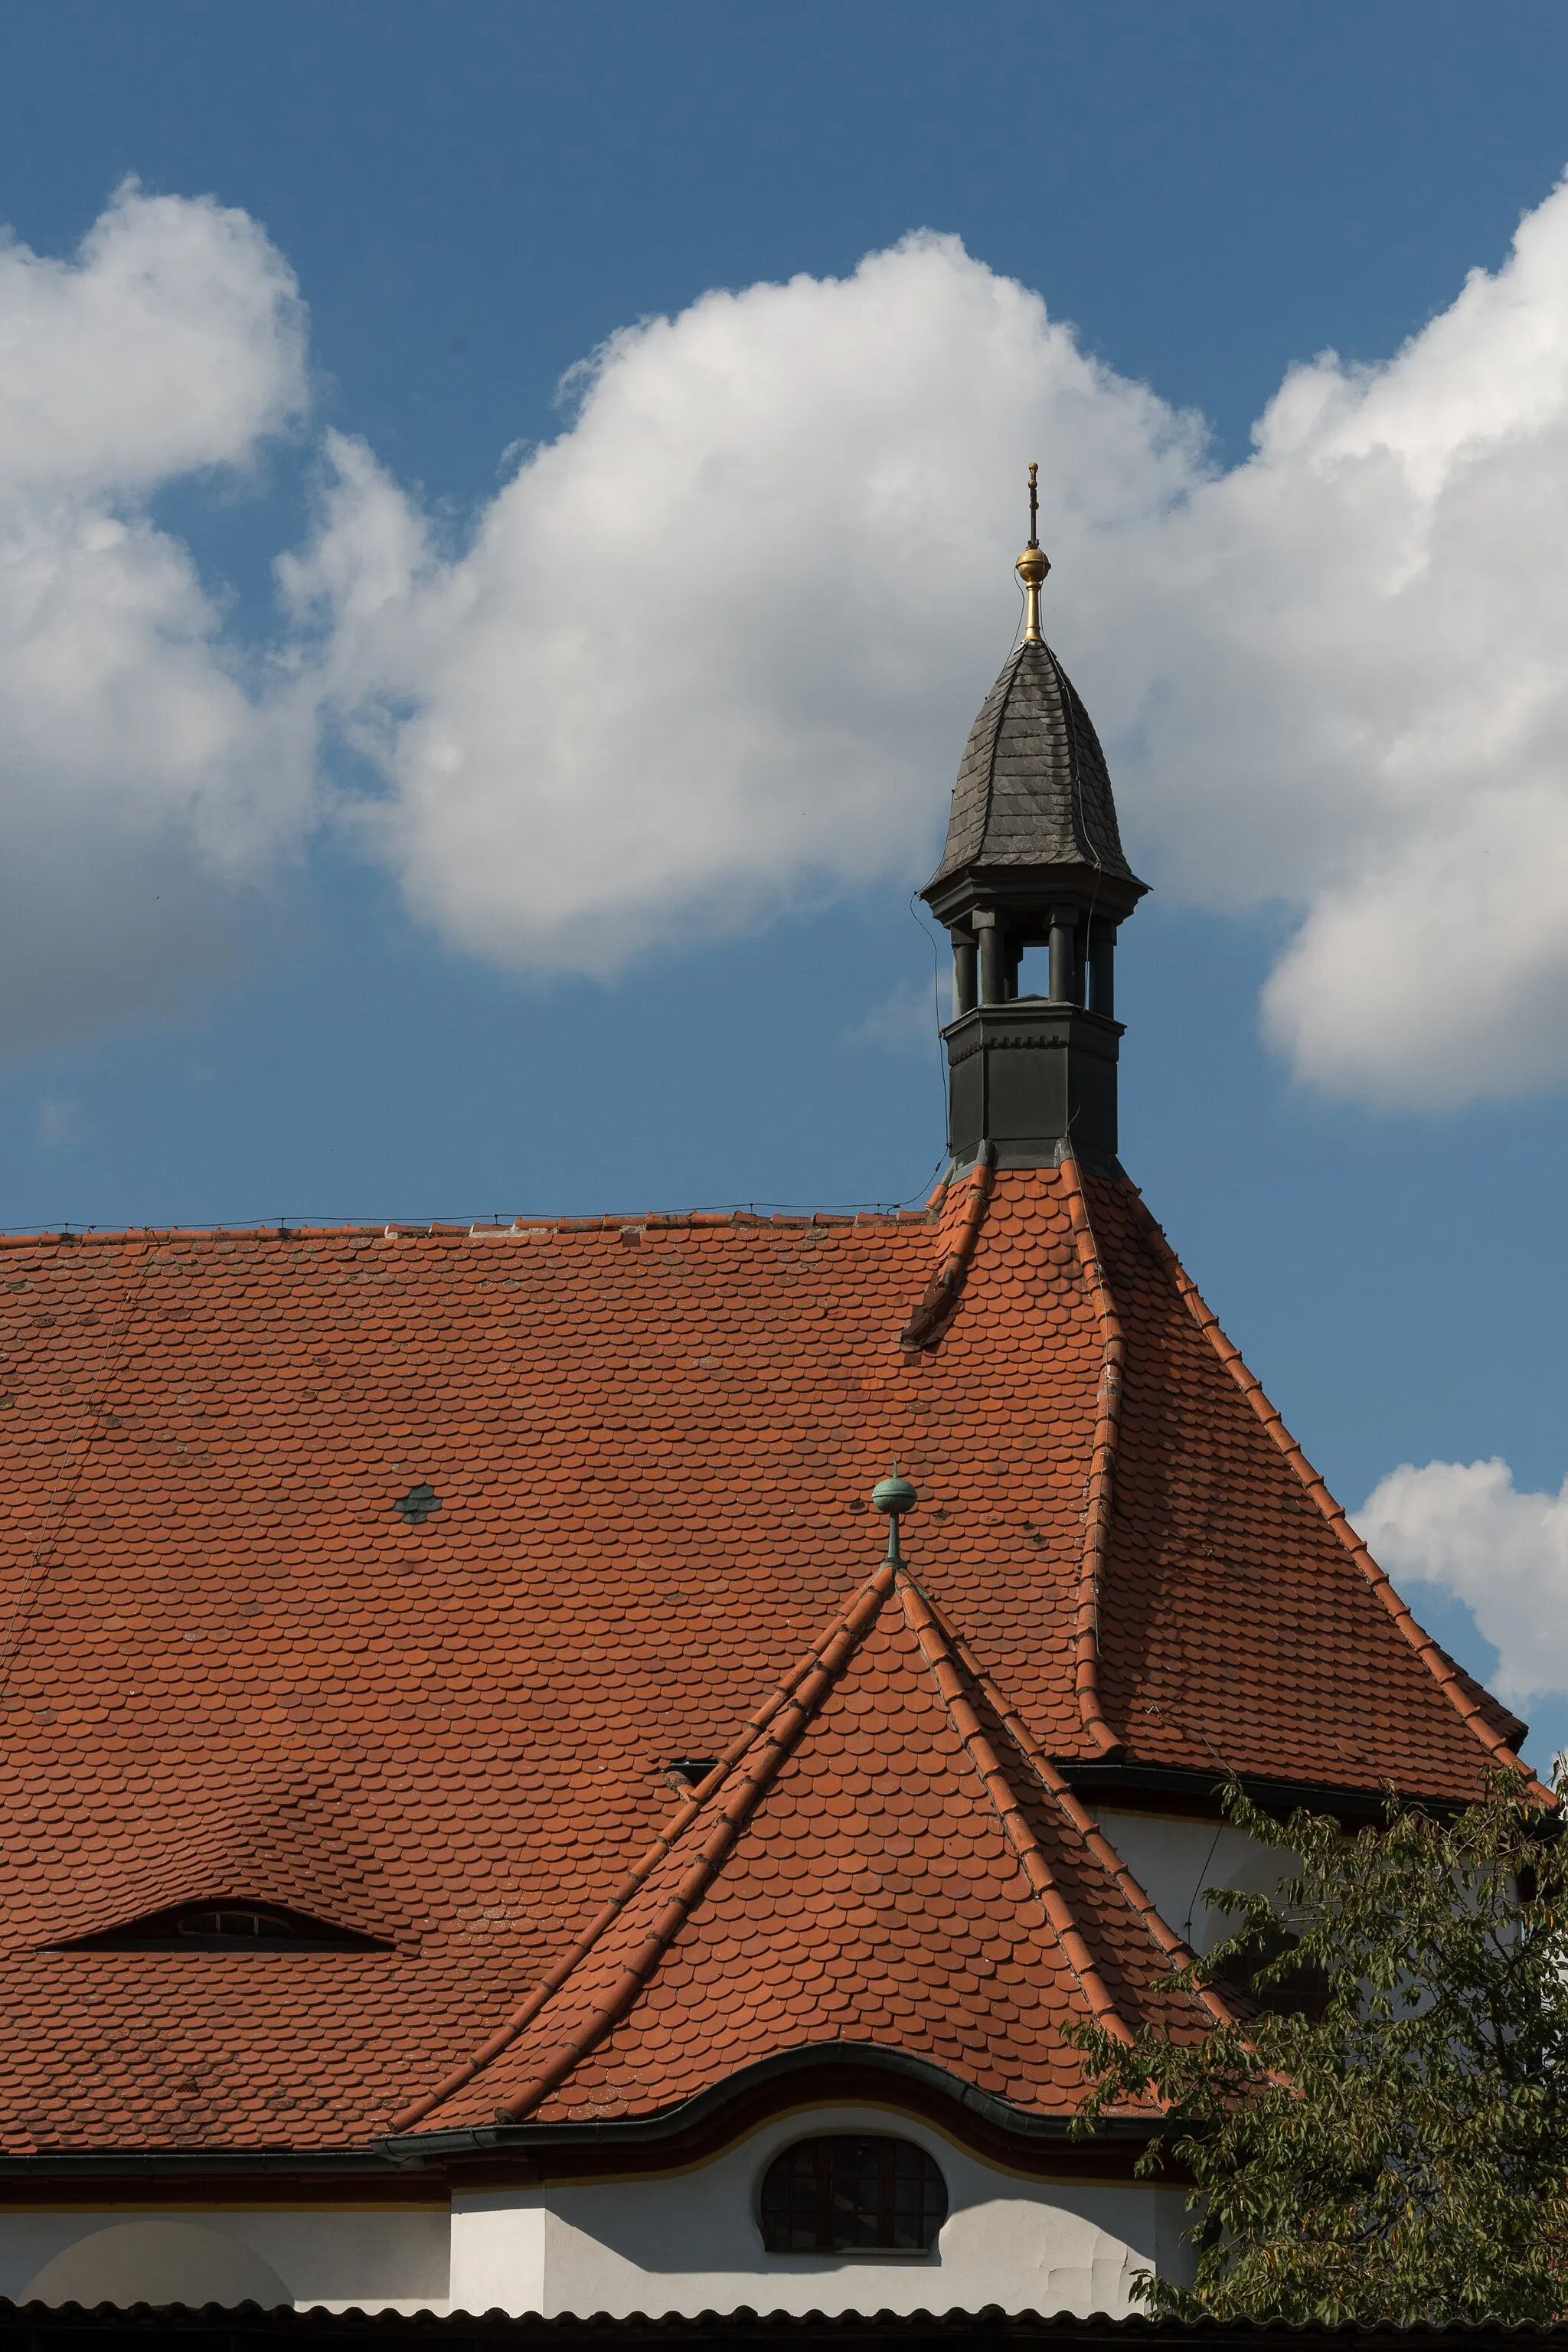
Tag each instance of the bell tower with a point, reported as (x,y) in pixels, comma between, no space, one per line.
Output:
(1033,859)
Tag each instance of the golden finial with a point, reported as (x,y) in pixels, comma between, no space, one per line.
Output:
(1033,565)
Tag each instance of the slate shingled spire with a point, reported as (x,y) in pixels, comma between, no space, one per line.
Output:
(1033,858)
(1032,789)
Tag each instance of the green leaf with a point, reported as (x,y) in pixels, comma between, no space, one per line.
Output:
(1385,2136)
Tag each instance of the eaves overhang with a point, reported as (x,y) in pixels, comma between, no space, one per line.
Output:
(1025,890)
(1169,1788)
(846,2072)
(165,2164)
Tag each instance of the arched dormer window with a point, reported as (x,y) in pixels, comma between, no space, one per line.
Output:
(840,2195)
(234,1924)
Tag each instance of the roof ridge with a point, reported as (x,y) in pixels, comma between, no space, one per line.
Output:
(1441,1669)
(795,1695)
(1009,671)
(1075,718)
(1132,1890)
(937,1651)
(393,1229)
(932,1313)
(1102,1465)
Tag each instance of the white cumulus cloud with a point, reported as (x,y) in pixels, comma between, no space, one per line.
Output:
(1463,1526)
(1348,691)
(712,651)
(148,772)
(710,654)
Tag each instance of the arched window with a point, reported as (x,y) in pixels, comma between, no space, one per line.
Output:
(832,2195)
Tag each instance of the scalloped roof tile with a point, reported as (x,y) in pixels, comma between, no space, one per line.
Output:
(232,1659)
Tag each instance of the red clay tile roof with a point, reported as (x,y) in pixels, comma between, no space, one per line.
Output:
(879,1865)
(232,1668)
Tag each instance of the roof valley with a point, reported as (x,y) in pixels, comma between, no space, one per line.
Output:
(1170,1946)
(1101,1495)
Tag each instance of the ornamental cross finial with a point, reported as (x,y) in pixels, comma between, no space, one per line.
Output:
(1033,565)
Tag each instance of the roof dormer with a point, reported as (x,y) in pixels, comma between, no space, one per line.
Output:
(227,1924)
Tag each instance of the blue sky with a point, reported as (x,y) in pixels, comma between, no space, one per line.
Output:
(471,200)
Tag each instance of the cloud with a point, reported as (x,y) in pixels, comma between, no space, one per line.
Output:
(59,1121)
(1346,676)
(1464,1526)
(711,653)
(150,771)
(908,1019)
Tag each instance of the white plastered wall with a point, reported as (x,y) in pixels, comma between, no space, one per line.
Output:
(1174,1859)
(346,2257)
(689,2242)
(682,2242)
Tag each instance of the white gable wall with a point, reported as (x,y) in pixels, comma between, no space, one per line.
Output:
(689,2242)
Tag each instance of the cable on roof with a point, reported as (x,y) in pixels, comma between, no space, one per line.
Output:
(936,1007)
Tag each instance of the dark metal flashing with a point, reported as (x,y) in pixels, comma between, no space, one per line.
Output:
(1165,1788)
(215,2329)
(355,2166)
(831,2072)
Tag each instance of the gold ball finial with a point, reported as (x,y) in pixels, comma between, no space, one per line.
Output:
(1033,565)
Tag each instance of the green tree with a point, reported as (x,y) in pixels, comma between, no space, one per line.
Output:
(1384,2134)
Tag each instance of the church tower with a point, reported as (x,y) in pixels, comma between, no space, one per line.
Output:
(1033,859)
(492,1833)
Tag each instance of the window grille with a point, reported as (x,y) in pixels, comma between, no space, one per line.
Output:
(233,1926)
(838,2195)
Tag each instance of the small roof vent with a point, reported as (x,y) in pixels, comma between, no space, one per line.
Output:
(417,1504)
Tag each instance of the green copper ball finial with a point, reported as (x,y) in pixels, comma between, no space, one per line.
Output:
(895,1495)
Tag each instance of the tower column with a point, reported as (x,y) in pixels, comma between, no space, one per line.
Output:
(1102,971)
(1064,955)
(965,972)
(993,960)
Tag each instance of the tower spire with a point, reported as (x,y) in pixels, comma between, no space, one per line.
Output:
(1033,859)
(1033,565)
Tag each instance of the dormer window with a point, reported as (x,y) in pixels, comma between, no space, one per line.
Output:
(840,2195)
(232,1924)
